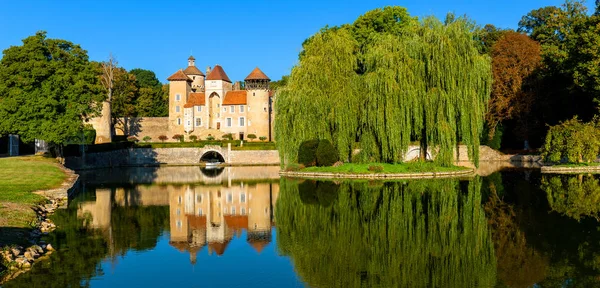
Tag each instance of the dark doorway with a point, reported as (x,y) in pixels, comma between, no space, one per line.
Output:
(212,157)
(241,135)
(218,125)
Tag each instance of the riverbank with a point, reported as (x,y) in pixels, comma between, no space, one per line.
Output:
(572,168)
(379,171)
(31,189)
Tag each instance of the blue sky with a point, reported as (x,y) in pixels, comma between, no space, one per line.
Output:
(238,35)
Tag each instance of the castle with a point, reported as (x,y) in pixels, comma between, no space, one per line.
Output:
(202,104)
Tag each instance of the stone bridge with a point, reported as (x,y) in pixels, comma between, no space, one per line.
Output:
(175,156)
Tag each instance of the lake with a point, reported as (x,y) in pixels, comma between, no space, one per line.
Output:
(246,227)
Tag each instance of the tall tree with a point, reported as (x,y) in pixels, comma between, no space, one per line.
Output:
(150,100)
(408,89)
(515,58)
(47,89)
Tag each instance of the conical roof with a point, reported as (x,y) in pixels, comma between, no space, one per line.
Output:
(218,73)
(179,76)
(193,70)
(256,74)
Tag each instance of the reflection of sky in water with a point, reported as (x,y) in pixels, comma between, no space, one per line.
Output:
(165,266)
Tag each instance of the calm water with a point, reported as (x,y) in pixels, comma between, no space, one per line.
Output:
(245,227)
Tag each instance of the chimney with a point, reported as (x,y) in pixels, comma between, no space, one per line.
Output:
(207,70)
(237,86)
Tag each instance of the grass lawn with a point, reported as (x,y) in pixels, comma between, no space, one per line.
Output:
(410,167)
(573,165)
(19,176)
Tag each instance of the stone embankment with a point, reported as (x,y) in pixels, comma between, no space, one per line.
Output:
(14,259)
(570,170)
(385,176)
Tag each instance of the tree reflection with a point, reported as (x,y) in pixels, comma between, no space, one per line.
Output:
(575,196)
(427,233)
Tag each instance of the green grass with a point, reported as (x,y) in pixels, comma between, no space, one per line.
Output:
(410,167)
(19,176)
(573,165)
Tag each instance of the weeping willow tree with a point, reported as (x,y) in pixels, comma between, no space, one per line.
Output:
(412,234)
(426,82)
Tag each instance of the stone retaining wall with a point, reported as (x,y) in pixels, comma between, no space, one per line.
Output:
(171,156)
(567,170)
(424,175)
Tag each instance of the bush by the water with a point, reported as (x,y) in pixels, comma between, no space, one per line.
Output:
(193,138)
(178,137)
(227,136)
(307,153)
(326,154)
(572,141)
(294,167)
(163,138)
(262,138)
(375,168)
(147,138)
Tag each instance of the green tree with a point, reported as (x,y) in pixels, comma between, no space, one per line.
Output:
(47,89)
(384,112)
(150,101)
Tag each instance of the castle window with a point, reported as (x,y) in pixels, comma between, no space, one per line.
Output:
(179,200)
(241,108)
(189,123)
(199,211)
(178,121)
(253,93)
(224,109)
(194,78)
(178,211)
(218,105)
(232,109)
(179,224)
(177,97)
(233,210)
(229,198)
(177,109)
(242,121)
(198,122)
(199,108)
(243,211)
(198,198)
(243,198)
(228,122)
(265,108)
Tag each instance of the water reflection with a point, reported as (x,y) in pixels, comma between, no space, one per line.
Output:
(514,228)
(429,233)
(575,196)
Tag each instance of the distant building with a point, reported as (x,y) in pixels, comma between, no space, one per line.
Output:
(200,104)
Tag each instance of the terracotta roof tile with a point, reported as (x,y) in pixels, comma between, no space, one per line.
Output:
(256,74)
(236,222)
(179,76)
(237,97)
(192,70)
(191,58)
(195,99)
(196,222)
(218,73)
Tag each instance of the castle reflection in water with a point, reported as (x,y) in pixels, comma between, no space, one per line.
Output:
(210,212)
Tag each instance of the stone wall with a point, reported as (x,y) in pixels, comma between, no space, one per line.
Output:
(175,156)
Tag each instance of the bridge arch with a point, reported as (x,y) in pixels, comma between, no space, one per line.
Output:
(212,156)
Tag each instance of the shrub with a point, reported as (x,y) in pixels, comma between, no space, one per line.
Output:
(572,141)
(210,138)
(294,167)
(163,138)
(326,154)
(132,139)
(262,138)
(307,153)
(375,168)
(251,136)
(227,136)
(178,137)
(193,138)
(147,138)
